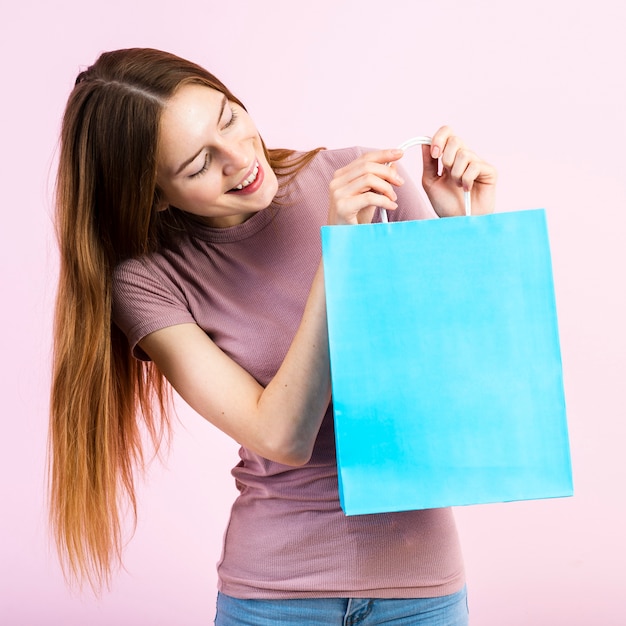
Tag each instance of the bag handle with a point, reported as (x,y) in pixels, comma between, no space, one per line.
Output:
(425,141)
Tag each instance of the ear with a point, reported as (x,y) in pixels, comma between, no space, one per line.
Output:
(160,203)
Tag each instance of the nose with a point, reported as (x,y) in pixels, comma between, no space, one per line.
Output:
(234,157)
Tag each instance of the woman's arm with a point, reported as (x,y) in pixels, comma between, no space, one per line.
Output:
(280,421)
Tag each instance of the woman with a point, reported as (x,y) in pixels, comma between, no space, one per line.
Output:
(190,254)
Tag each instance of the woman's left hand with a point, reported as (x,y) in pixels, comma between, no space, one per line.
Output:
(461,170)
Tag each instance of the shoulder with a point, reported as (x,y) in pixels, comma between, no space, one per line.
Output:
(146,282)
(138,271)
(339,157)
(326,162)
(158,274)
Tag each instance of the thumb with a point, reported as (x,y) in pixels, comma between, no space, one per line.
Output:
(431,166)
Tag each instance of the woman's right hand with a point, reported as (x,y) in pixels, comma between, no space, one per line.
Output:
(361,186)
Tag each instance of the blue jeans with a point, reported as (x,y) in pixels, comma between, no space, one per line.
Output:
(444,611)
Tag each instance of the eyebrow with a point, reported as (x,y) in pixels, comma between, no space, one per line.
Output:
(195,156)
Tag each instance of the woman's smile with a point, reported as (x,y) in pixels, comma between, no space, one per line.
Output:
(252,182)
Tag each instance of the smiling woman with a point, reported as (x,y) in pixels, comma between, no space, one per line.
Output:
(228,177)
(190,257)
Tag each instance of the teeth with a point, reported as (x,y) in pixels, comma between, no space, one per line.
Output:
(248,180)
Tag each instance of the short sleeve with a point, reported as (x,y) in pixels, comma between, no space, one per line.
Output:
(145,300)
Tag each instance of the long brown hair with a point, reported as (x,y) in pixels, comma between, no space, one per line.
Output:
(106,212)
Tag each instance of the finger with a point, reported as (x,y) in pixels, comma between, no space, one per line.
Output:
(373,199)
(363,184)
(439,140)
(430,169)
(451,149)
(471,173)
(366,172)
(387,172)
(349,210)
(462,159)
(383,180)
(386,156)
(380,157)
(381,162)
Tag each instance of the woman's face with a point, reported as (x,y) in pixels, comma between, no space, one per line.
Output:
(211,162)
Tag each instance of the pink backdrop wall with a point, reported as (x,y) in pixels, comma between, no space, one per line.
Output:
(536,87)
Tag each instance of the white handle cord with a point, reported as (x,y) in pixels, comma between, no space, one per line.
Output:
(425,141)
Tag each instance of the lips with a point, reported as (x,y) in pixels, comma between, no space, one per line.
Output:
(252,181)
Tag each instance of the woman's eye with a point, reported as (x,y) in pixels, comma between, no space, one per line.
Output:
(231,120)
(204,168)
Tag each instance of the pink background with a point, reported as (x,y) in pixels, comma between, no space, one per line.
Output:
(536,87)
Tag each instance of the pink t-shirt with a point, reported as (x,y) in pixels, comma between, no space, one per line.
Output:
(246,286)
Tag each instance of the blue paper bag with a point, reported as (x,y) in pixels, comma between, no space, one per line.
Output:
(445,360)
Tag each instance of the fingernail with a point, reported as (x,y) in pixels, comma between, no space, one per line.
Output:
(435,152)
(399,179)
(397,152)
